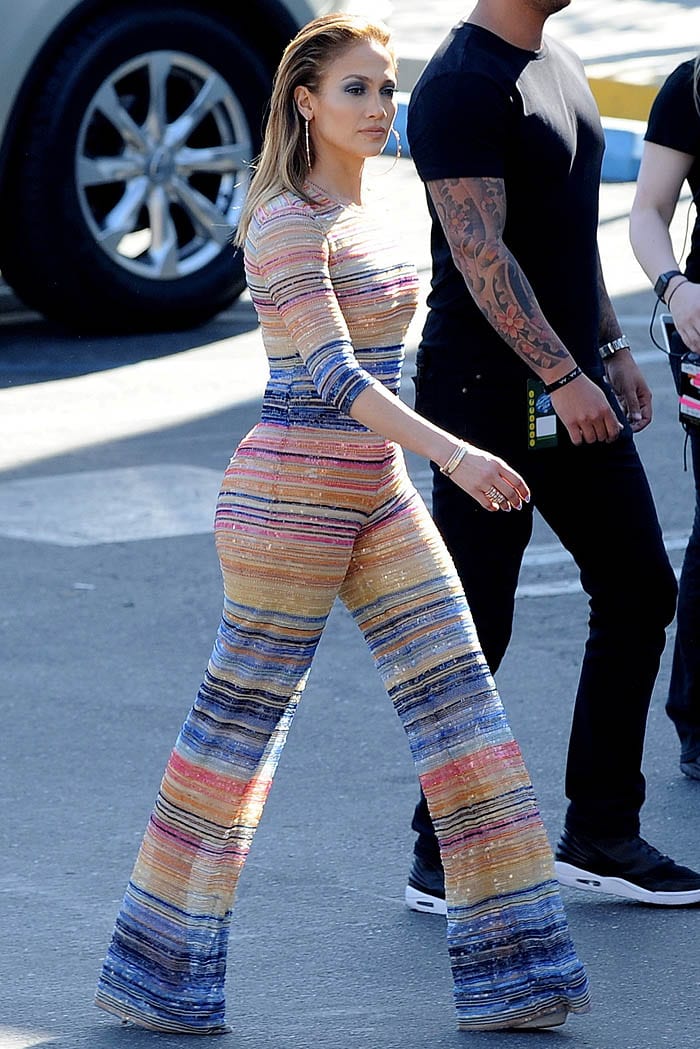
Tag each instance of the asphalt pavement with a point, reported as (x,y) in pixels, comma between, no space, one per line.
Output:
(110,456)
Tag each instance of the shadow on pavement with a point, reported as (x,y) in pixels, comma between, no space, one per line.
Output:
(33,350)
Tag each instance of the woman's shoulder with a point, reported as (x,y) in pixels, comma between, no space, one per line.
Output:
(286,210)
(681,80)
(674,120)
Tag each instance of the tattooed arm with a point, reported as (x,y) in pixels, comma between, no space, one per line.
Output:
(624,375)
(609,325)
(472,212)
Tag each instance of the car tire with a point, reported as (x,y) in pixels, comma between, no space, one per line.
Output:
(108,225)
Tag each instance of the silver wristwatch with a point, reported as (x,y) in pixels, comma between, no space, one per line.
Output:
(609,349)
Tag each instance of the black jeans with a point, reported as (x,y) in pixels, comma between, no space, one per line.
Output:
(596,498)
(683,704)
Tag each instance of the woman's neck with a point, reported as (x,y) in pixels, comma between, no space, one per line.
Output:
(340,182)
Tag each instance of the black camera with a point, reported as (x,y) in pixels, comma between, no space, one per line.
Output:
(689,391)
(686,369)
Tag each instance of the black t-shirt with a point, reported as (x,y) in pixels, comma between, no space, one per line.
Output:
(484,108)
(674,122)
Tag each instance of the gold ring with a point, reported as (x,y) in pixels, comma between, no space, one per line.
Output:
(493,493)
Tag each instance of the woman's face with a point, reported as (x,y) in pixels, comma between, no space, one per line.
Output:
(353,109)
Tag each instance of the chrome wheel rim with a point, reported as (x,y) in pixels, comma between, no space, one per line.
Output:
(162,164)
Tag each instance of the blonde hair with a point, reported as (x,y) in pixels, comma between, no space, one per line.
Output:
(282,164)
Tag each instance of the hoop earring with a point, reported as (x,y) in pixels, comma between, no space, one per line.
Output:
(307,144)
(397,154)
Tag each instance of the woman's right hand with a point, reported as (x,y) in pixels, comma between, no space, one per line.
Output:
(685,310)
(490,481)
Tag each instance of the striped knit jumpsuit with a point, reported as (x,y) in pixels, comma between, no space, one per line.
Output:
(314,506)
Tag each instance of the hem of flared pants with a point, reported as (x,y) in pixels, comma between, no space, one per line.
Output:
(692,753)
(153,1023)
(514,1017)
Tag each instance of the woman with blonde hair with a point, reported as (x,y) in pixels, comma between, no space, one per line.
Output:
(671,157)
(316,504)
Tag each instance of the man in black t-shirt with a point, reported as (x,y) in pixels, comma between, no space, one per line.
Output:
(522,354)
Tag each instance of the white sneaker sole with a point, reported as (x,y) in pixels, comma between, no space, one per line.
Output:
(424,902)
(577,878)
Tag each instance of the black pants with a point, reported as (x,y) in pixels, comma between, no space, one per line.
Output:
(683,705)
(596,498)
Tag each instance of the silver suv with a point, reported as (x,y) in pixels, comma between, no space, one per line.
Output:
(126,129)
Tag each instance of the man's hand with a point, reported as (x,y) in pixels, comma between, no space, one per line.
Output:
(631,389)
(583,408)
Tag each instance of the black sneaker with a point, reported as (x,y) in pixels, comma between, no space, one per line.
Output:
(691,768)
(426,887)
(628,867)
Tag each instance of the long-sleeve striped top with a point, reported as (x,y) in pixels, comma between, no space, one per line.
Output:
(334,297)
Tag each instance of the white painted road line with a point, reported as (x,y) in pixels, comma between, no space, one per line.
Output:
(110,506)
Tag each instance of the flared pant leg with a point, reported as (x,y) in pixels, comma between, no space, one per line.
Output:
(284,560)
(508,940)
(283,564)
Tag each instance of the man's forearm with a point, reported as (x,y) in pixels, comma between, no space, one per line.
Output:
(609,325)
(472,214)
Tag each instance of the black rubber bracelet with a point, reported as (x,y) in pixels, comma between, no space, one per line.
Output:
(558,383)
(674,290)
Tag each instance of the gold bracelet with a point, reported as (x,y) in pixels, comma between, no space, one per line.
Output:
(455,459)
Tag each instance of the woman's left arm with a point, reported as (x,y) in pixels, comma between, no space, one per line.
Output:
(659,183)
